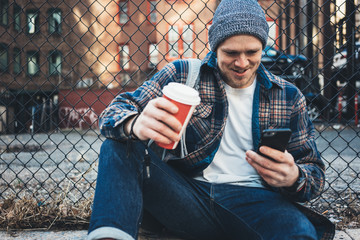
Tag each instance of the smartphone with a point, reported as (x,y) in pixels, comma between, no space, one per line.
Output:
(277,138)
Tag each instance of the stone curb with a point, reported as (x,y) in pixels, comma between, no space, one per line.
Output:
(348,234)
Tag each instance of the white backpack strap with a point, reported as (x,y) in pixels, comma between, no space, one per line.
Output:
(191,81)
(193,73)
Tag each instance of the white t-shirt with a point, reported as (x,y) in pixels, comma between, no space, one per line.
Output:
(229,164)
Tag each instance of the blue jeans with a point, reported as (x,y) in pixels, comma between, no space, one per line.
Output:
(190,208)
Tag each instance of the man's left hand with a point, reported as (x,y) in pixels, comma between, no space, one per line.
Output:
(278,169)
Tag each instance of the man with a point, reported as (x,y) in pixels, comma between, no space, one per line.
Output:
(222,189)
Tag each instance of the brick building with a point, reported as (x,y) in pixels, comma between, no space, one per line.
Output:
(51,49)
(57,56)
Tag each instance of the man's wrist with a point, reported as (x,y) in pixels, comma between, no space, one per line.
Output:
(299,183)
(129,127)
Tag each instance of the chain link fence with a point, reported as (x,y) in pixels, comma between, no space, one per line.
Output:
(62,62)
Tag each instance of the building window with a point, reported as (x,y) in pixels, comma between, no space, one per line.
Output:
(55,60)
(16,61)
(17,17)
(32,21)
(4,5)
(54,20)
(180,41)
(172,2)
(4,57)
(153,55)
(273,32)
(33,66)
(123,12)
(84,83)
(187,41)
(152,11)
(124,57)
(173,38)
(207,35)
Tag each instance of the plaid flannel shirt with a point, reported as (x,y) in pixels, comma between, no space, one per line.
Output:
(277,104)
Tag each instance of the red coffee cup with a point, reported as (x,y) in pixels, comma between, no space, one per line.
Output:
(186,99)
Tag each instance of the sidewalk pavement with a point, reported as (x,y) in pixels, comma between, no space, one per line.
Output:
(348,234)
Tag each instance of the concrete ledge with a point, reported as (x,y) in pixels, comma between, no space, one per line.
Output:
(67,235)
(348,234)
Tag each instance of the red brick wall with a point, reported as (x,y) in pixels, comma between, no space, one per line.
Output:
(80,108)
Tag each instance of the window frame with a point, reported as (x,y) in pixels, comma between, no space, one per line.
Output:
(4,49)
(122,13)
(36,23)
(150,56)
(4,12)
(58,28)
(208,25)
(274,31)
(170,45)
(124,62)
(152,12)
(37,63)
(16,56)
(179,1)
(17,17)
(179,42)
(53,66)
(190,46)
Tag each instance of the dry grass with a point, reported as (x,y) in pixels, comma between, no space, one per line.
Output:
(350,219)
(59,212)
(27,213)
(24,210)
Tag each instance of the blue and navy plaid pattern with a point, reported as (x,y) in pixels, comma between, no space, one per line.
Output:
(277,104)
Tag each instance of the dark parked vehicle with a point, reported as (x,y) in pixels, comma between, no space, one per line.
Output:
(289,67)
(341,76)
(340,58)
(293,68)
(339,71)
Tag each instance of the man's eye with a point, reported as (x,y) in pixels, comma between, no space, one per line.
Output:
(231,53)
(252,52)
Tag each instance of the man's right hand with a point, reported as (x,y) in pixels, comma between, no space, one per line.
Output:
(157,122)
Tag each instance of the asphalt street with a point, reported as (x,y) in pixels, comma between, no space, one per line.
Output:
(48,163)
(72,154)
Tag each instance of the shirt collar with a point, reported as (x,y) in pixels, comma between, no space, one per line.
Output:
(267,79)
(210,60)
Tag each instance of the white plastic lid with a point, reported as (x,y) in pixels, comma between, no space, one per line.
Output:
(182,93)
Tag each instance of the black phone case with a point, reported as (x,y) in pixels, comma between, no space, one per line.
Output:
(275,138)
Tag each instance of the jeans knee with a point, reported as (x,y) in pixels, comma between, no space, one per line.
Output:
(306,228)
(112,150)
(121,153)
(301,228)
(112,145)
(285,224)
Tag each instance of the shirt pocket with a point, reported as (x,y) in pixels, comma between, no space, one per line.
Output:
(200,127)
(203,110)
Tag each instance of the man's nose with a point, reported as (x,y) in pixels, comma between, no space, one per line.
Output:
(241,61)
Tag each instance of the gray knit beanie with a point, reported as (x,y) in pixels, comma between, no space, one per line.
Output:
(234,17)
